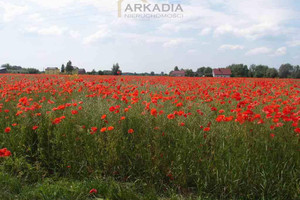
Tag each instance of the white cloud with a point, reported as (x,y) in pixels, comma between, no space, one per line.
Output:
(12,11)
(294,43)
(103,5)
(102,33)
(53,4)
(231,47)
(250,32)
(74,34)
(36,17)
(192,51)
(205,31)
(52,30)
(171,27)
(259,50)
(175,42)
(280,51)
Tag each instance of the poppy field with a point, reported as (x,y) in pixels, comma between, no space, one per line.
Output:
(126,137)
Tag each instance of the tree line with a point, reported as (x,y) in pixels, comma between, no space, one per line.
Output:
(256,71)
(13,69)
(237,70)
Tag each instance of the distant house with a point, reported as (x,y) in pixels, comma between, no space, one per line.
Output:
(52,70)
(3,71)
(81,71)
(221,72)
(178,73)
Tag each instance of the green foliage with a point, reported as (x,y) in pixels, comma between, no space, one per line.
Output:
(285,70)
(189,73)
(272,73)
(93,72)
(100,72)
(62,70)
(116,69)
(239,70)
(19,70)
(296,72)
(204,71)
(69,67)
(231,163)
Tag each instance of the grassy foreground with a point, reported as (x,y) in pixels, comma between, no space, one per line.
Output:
(104,137)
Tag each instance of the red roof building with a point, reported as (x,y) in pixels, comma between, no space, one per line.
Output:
(221,72)
(178,73)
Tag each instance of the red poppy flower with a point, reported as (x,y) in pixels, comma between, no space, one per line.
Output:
(112,108)
(93,191)
(5,153)
(131,131)
(123,118)
(206,129)
(154,112)
(35,127)
(7,129)
(74,112)
(171,116)
(93,130)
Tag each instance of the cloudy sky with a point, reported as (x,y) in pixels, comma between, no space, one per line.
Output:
(216,33)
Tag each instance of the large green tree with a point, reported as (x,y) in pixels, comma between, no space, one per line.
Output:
(285,70)
(272,73)
(69,67)
(238,70)
(116,69)
(189,73)
(204,71)
(208,72)
(260,71)
(296,72)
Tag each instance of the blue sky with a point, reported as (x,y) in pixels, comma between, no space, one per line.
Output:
(216,33)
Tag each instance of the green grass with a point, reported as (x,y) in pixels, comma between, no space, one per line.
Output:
(160,160)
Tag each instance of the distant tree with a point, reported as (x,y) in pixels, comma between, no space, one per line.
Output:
(93,72)
(208,72)
(200,71)
(152,74)
(176,68)
(6,66)
(296,72)
(260,71)
(115,69)
(251,70)
(272,73)
(100,72)
(33,71)
(189,73)
(69,67)
(238,70)
(285,70)
(62,70)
